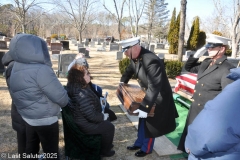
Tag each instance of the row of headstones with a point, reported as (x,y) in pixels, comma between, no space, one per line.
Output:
(3,42)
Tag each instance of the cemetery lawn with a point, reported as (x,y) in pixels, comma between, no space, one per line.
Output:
(105,73)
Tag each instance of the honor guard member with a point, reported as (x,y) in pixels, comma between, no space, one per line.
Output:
(211,78)
(150,73)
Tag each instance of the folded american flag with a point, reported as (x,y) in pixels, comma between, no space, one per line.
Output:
(186,83)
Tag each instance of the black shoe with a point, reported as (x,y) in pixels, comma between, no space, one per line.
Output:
(140,153)
(108,154)
(133,147)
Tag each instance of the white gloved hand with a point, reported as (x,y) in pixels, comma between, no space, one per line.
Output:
(106,115)
(141,114)
(200,52)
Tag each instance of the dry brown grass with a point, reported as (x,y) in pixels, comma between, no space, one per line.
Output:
(104,69)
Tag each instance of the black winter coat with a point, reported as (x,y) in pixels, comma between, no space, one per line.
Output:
(150,73)
(86,107)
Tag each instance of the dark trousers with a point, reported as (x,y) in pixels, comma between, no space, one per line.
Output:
(106,129)
(47,135)
(146,144)
(21,140)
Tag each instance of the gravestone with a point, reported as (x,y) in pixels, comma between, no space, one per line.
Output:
(48,40)
(87,53)
(161,55)
(86,42)
(119,55)
(146,46)
(187,54)
(80,45)
(56,48)
(92,44)
(82,50)
(99,43)
(104,44)
(65,45)
(2,68)
(151,48)
(3,45)
(142,44)
(63,62)
(107,43)
(101,40)
(74,41)
(160,46)
(53,40)
(7,39)
(114,47)
(2,38)
(101,49)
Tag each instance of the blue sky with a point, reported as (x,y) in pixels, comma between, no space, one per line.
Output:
(201,8)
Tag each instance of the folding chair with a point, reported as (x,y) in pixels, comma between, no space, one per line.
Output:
(77,144)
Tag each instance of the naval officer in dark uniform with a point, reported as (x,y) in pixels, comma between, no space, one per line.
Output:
(211,78)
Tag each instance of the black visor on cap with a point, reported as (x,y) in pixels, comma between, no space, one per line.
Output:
(213,45)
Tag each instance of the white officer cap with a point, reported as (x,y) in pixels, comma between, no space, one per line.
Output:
(215,41)
(129,43)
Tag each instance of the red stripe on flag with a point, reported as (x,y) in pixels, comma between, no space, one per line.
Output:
(192,81)
(190,90)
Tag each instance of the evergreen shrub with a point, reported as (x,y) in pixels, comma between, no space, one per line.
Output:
(173,68)
(63,36)
(228,52)
(123,64)
(54,36)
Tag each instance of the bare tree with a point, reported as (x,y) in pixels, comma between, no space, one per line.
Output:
(119,13)
(233,28)
(79,13)
(182,29)
(21,10)
(135,13)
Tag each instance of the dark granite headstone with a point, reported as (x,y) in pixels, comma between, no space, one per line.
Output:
(63,63)
(160,45)
(3,44)
(86,42)
(65,45)
(81,50)
(1,65)
(114,47)
(87,53)
(56,48)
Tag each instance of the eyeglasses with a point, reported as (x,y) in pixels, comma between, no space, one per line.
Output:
(213,45)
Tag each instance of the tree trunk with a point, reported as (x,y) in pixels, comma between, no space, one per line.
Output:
(182,29)
(119,31)
(235,35)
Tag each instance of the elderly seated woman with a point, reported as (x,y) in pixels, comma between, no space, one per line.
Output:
(86,108)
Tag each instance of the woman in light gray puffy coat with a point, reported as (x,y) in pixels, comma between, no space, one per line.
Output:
(36,92)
